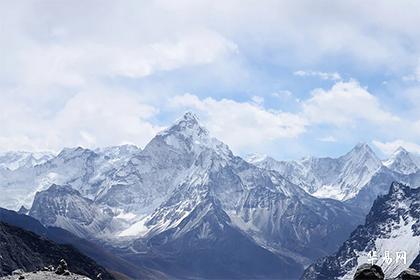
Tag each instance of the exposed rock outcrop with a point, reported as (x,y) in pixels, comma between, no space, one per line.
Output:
(369,272)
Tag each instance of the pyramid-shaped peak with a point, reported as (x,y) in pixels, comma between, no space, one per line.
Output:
(362,149)
(400,150)
(187,125)
(362,146)
(402,161)
(188,134)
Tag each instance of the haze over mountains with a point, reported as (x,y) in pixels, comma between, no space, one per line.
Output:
(188,207)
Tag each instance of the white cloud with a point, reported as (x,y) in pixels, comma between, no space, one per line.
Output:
(389,147)
(90,118)
(59,74)
(334,76)
(242,124)
(75,64)
(345,103)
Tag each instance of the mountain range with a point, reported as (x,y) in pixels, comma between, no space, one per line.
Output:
(355,178)
(186,206)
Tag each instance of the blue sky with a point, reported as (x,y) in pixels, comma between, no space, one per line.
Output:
(285,78)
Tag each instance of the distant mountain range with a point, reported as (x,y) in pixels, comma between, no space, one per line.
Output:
(356,178)
(16,160)
(187,207)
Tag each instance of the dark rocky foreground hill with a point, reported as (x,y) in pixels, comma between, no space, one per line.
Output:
(118,266)
(21,249)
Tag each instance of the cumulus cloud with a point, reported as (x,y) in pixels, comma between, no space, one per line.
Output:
(89,118)
(389,147)
(345,103)
(242,124)
(75,64)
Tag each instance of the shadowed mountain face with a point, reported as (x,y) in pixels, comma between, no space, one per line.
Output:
(21,249)
(392,225)
(206,245)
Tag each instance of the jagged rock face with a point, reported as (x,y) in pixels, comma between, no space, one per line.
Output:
(392,225)
(64,207)
(21,249)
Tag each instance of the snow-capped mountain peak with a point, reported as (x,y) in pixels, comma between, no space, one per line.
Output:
(187,134)
(362,152)
(338,178)
(402,161)
(188,124)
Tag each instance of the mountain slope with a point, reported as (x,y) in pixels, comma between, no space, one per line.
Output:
(402,161)
(64,207)
(208,246)
(25,250)
(95,251)
(392,225)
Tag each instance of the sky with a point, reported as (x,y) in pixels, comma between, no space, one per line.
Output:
(284,78)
